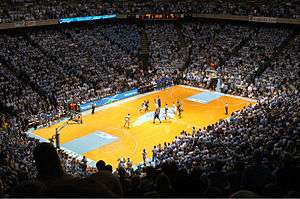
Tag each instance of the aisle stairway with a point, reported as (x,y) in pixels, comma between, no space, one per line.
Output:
(25,79)
(285,44)
(52,57)
(144,50)
(183,44)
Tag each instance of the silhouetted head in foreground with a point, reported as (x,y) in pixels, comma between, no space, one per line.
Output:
(100,165)
(47,161)
(108,167)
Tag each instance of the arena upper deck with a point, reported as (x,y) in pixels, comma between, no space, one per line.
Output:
(43,69)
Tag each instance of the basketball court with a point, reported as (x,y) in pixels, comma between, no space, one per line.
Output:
(102,135)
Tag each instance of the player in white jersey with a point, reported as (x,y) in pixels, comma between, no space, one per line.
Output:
(127,121)
(142,107)
(174,108)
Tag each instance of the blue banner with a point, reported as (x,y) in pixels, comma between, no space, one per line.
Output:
(109,99)
(88,18)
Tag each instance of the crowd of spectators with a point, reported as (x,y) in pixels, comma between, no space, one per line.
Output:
(254,54)
(252,150)
(237,51)
(117,32)
(92,57)
(11,11)
(166,50)
(75,65)
(48,77)
(15,95)
(254,8)
(284,70)
(33,10)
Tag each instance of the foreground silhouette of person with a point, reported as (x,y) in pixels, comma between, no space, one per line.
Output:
(48,164)
(58,183)
(105,176)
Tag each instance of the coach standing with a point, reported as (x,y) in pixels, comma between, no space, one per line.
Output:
(93,108)
(226,108)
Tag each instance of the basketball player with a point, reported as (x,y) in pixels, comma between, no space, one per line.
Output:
(144,154)
(166,111)
(226,108)
(147,106)
(158,102)
(174,108)
(127,121)
(179,108)
(155,102)
(143,106)
(156,115)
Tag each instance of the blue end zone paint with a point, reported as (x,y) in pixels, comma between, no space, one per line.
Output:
(89,142)
(205,97)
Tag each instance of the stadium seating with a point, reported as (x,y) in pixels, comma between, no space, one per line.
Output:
(42,69)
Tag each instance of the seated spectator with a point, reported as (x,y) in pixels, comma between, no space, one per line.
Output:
(108,168)
(105,177)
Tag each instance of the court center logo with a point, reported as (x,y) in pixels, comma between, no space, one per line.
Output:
(150,115)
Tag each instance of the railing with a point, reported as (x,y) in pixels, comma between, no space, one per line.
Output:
(25,24)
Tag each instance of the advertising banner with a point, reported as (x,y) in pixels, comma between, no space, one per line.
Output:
(109,99)
(87,18)
(263,19)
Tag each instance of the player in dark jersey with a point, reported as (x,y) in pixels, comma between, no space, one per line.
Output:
(179,108)
(147,106)
(93,108)
(156,115)
(158,102)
